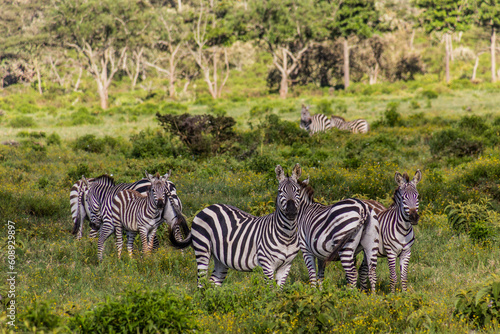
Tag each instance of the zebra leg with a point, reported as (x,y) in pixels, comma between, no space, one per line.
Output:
(119,240)
(81,216)
(151,239)
(282,274)
(391,259)
(348,263)
(404,259)
(156,243)
(130,242)
(144,239)
(106,231)
(321,272)
(309,259)
(219,274)
(363,274)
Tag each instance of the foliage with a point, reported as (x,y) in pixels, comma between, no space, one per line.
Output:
(151,144)
(139,311)
(474,124)
(39,317)
(90,143)
(22,122)
(392,116)
(202,134)
(453,142)
(474,219)
(480,304)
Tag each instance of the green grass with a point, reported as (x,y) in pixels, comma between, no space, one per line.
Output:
(63,277)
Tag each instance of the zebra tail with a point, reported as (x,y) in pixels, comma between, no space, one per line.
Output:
(180,244)
(76,225)
(334,256)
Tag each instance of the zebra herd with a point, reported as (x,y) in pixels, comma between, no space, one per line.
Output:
(238,240)
(320,123)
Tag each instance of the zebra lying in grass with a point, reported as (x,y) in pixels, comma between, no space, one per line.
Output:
(240,241)
(396,227)
(336,232)
(315,123)
(356,126)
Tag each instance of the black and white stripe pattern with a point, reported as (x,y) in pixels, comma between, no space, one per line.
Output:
(336,232)
(100,194)
(136,213)
(356,126)
(396,227)
(315,123)
(240,241)
(78,212)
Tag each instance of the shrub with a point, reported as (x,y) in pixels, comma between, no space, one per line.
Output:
(473,219)
(262,163)
(53,139)
(282,132)
(392,116)
(83,116)
(473,124)
(202,134)
(34,134)
(324,106)
(452,142)
(75,173)
(22,122)
(480,304)
(90,143)
(429,94)
(38,316)
(151,144)
(139,312)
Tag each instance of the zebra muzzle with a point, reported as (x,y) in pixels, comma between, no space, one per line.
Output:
(414,216)
(161,203)
(291,210)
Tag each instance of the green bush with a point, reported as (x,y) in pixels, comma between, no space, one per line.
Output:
(473,124)
(22,122)
(282,132)
(480,304)
(54,139)
(151,144)
(429,94)
(454,143)
(139,312)
(324,106)
(82,116)
(75,173)
(90,143)
(391,116)
(38,317)
(262,163)
(474,219)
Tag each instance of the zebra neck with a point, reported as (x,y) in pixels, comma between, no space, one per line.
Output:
(285,226)
(152,207)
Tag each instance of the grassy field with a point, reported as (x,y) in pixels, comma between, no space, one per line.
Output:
(60,286)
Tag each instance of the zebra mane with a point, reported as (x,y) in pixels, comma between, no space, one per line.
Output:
(338,117)
(105,177)
(307,188)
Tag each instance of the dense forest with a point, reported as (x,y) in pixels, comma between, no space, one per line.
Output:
(211,93)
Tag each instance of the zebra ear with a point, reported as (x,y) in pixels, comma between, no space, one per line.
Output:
(306,181)
(85,180)
(417,178)
(296,172)
(166,176)
(148,176)
(400,180)
(280,174)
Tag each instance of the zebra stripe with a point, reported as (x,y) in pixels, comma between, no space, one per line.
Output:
(240,241)
(78,212)
(315,123)
(336,232)
(137,213)
(100,195)
(356,126)
(396,227)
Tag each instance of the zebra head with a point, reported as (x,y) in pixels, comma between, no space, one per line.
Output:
(158,186)
(288,198)
(407,194)
(305,118)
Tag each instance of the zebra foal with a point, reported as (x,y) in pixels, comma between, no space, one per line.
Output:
(136,213)
(240,241)
(396,227)
(336,232)
(78,210)
(315,123)
(356,126)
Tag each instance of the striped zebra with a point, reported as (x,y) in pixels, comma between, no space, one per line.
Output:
(315,123)
(78,212)
(396,227)
(240,241)
(136,213)
(356,126)
(336,232)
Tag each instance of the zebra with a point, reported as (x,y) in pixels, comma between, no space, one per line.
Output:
(356,126)
(336,232)
(241,241)
(396,227)
(315,123)
(99,195)
(138,213)
(78,212)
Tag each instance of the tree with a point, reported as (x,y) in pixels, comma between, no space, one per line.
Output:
(99,30)
(446,16)
(354,18)
(287,29)
(488,15)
